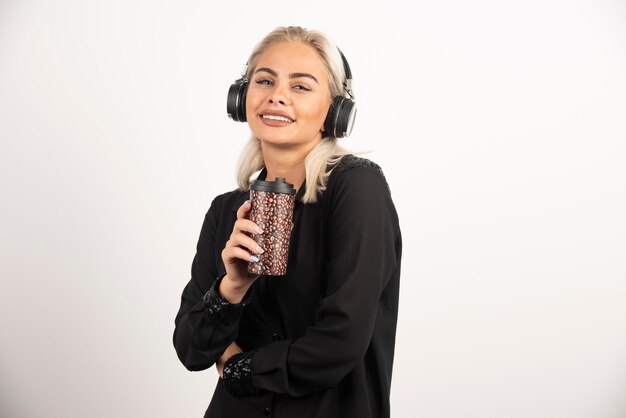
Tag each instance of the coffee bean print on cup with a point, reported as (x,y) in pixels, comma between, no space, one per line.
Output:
(272,210)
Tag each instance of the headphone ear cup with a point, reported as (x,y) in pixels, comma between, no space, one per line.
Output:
(345,118)
(329,123)
(236,101)
(340,118)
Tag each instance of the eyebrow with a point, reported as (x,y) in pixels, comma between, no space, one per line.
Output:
(292,75)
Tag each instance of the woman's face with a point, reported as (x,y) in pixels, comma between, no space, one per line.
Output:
(288,96)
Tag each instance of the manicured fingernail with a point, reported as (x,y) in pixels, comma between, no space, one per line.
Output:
(259,250)
(245,203)
(258,229)
(254,258)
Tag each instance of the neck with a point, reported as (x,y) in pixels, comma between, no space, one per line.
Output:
(286,162)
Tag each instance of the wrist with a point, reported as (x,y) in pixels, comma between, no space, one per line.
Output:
(231,350)
(221,310)
(231,291)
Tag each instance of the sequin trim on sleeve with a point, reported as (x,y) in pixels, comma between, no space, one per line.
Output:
(238,375)
(220,310)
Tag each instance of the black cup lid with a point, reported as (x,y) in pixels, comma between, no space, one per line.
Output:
(278,186)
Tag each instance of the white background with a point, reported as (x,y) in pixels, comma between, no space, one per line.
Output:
(500,127)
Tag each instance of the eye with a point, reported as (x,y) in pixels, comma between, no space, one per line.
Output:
(301,87)
(264,81)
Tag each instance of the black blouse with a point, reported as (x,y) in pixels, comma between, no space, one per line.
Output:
(319,341)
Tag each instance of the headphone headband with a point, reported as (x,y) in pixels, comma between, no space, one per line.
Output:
(346,68)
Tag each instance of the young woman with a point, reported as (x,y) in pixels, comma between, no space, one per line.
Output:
(319,341)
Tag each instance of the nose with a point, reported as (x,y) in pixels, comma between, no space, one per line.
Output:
(279,95)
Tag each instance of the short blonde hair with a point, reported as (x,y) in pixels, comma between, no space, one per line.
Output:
(321,159)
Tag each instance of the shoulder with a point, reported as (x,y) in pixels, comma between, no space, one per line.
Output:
(358,192)
(350,162)
(352,171)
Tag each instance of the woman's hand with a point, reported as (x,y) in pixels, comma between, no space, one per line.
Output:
(232,349)
(239,250)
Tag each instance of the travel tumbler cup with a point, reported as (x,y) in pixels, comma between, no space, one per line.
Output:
(272,210)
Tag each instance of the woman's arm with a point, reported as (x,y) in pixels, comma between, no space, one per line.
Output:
(206,323)
(364,252)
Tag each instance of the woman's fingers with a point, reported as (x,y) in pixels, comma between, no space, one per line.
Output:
(241,247)
(243,230)
(242,217)
(246,225)
(243,240)
(243,210)
(230,254)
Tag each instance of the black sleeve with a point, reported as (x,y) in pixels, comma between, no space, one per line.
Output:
(206,323)
(362,233)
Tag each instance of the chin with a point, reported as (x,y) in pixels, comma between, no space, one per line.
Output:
(274,140)
(273,137)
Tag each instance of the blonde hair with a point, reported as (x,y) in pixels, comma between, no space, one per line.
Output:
(321,160)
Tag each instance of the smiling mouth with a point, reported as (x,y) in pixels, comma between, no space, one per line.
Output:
(276,118)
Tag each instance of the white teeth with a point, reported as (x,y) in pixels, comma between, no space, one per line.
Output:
(277,118)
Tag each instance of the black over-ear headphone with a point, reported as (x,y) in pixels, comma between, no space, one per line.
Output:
(339,119)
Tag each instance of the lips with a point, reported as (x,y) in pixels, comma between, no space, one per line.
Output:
(276,115)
